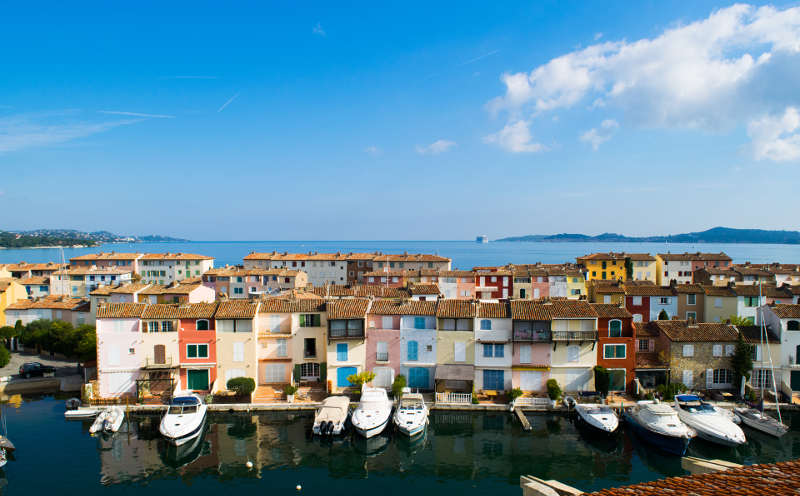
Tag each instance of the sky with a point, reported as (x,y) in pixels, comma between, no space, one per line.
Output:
(399,120)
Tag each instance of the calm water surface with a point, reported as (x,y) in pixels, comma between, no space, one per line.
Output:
(471,453)
(465,254)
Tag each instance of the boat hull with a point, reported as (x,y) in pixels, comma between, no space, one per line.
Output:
(669,444)
(594,428)
(411,430)
(370,431)
(766,427)
(184,438)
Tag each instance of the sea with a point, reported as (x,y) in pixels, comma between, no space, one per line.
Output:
(464,453)
(465,254)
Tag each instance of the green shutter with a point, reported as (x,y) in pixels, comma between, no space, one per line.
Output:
(317,320)
(191,351)
(302,320)
(202,351)
(298,372)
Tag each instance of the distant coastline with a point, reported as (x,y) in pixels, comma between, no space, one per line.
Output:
(70,238)
(713,235)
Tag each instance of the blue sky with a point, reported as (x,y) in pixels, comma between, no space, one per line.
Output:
(399,120)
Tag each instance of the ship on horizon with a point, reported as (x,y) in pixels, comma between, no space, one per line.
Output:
(482,238)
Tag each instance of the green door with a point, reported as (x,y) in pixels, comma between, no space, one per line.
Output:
(198,380)
(795,380)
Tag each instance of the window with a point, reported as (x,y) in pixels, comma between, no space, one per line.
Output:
(309,347)
(152,326)
(201,325)
(413,351)
(419,322)
(691,315)
(166,326)
(238,290)
(282,349)
(387,322)
(499,350)
(525,353)
(310,320)
(604,264)
(691,299)
(637,300)
(486,325)
(751,301)
(761,377)
(644,345)
(688,350)
(716,350)
(637,317)
(613,351)
(459,351)
(606,299)
(573,353)
(729,349)
(722,376)
(487,350)
(793,325)
(238,352)
(309,370)
(615,329)
(341,352)
(717,302)
(664,300)
(196,351)
(382,351)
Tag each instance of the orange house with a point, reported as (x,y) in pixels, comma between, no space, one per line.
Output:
(616,345)
(197,346)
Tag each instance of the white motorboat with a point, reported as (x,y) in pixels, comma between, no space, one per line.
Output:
(6,450)
(411,414)
(372,413)
(330,417)
(711,423)
(184,419)
(658,424)
(599,417)
(108,420)
(760,421)
(83,413)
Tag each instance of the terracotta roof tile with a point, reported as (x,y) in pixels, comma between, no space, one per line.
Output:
(681,331)
(608,311)
(237,309)
(648,360)
(107,256)
(688,288)
(175,256)
(354,308)
(647,290)
(35,280)
(394,307)
(52,302)
(456,309)
(689,257)
(494,310)
(120,310)
(571,309)
(424,289)
(645,330)
(787,311)
(719,291)
(529,310)
(281,305)
(160,311)
(752,334)
(197,310)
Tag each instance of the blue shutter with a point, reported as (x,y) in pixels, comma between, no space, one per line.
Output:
(486,325)
(412,351)
(341,352)
(499,350)
(341,376)
(419,322)
(487,351)
(418,378)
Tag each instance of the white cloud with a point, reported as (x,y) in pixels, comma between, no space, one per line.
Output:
(515,137)
(317,30)
(373,150)
(712,74)
(597,137)
(20,132)
(776,137)
(435,148)
(135,114)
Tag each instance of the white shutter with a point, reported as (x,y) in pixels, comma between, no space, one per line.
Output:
(688,350)
(244,326)
(383,377)
(709,378)
(387,322)
(688,378)
(274,373)
(536,293)
(113,355)
(573,353)
(238,352)
(606,299)
(282,348)
(530,380)
(525,353)
(729,349)
(716,350)
(232,374)
(383,347)
(460,351)
(758,353)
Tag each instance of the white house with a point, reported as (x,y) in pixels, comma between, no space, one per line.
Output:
(166,268)
(784,320)
(119,353)
(418,347)
(493,347)
(574,334)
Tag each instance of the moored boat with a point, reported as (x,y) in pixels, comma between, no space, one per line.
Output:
(372,413)
(411,414)
(184,419)
(108,420)
(711,423)
(330,417)
(599,418)
(659,425)
(760,421)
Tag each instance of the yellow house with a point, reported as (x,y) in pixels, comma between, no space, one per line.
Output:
(644,267)
(10,292)
(455,345)
(603,266)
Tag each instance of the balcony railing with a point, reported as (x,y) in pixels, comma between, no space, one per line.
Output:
(346,333)
(151,363)
(574,335)
(532,336)
(382,356)
(454,398)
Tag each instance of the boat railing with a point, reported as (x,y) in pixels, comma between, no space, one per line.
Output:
(454,398)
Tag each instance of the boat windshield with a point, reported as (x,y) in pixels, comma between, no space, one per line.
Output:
(599,410)
(411,405)
(182,409)
(698,408)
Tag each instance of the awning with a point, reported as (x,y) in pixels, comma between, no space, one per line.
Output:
(455,373)
(538,368)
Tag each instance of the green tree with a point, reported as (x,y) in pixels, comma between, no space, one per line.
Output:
(663,315)
(553,389)
(602,380)
(5,356)
(6,333)
(628,268)
(398,385)
(358,380)
(740,321)
(742,362)
(86,349)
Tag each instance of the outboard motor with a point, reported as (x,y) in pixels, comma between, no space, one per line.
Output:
(327,427)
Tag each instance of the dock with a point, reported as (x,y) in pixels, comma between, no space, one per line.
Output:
(526,425)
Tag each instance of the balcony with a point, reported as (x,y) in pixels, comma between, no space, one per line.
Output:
(382,356)
(574,335)
(346,333)
(151,363)
(532,336)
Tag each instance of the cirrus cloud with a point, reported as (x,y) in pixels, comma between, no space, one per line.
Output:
(435,148)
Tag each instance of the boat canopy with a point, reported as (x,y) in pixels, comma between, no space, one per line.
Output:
(659,409)
(184,401)
(687,398)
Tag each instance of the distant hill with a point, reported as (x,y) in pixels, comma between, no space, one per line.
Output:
(72,237)
(713,235)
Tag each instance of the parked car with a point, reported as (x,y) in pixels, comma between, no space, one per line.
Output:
(33,369)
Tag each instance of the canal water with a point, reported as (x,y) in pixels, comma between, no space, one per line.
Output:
(463,453)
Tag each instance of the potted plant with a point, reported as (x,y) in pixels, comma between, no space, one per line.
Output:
(515,393)
(290,390)
(553,391)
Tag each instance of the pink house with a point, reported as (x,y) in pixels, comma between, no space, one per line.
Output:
(119,356)
(531,338)
(384,353)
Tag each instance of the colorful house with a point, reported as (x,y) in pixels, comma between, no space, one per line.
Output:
(532,345)
(720,303)
(603,266)
(76,311)
(608,292)
(10,292)
(424,292)
(238,282)
(646,301)
(642,266)
(159,358)
(784,322)
(119,352)
(574,355)
(166,268)
(236,342)
(691,302)
(384,354)
(457,284)
(346,340)
(493,346)
(455,345)
(493,283)
(680,267)
(418,343)
(616,345)
(176,293)
(197,346)
(36,286)
(79,282)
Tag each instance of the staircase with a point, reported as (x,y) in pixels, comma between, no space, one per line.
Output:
(268,394)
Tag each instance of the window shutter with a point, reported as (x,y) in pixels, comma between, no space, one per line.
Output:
(238,352)
(460,351)
(302,320)
(717,350)
(317,320)
(709,378)
(525,353)
(688,378)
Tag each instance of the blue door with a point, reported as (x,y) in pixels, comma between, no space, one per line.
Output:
(341,376)
(493,380)
(418,378)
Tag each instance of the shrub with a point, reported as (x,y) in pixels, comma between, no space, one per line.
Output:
(241,385)
(358,380)
(475,400)
(516,393)
(668,391)
(553,389)
(398,385)
(290,389)
(5,356)
(663,315)
(602,380)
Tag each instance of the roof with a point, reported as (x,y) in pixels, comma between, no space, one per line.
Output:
(237,309)
(608,311)
(681,331)
(602,256)
(394,307)
(35,280)
(52,302)
(599,286)
(120,310)
(31,266)
(179,288)
(688,288)
(722,291)
(645,330)
(283,305)
(529,310)
(775,479)
(752,334)
(645,257)
(196,310)
(648,360)
(784,311)
(689,257)
(175,256)
(456,309)
(88,271)
(494,310)
(456,273)
(377,257)
(647,290)
(351,308)
(160,311)
(236,271)
(106,256)
(571,309)
(424,289)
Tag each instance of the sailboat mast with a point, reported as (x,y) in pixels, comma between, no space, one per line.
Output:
(761,371)
(771,365)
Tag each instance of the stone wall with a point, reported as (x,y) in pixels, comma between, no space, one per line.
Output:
(703,359)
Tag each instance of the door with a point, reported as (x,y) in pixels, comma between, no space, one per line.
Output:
(493,380)
(531,380)
(160,354)
(795,380)
(688,378)
(341,376)
(383,377)
(197,379)
(274,373)
(119,383)
(418,378)
(797,355)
